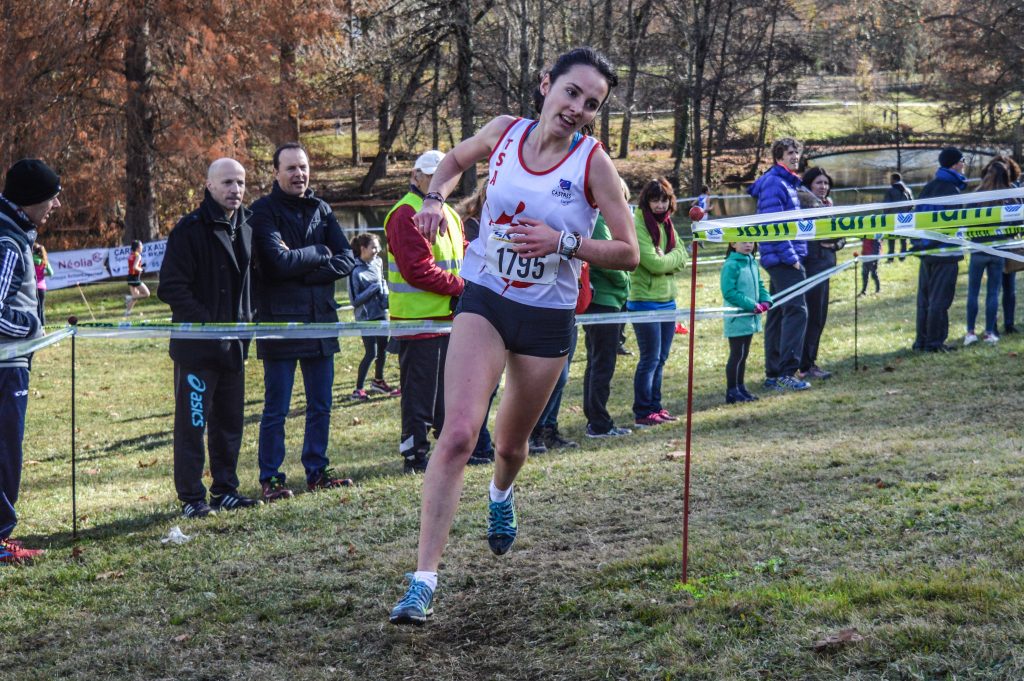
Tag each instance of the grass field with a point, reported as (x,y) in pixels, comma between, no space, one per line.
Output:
(887,499)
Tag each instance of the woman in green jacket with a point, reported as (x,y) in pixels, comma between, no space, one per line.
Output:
(611,288)
(653,287)
(741,287)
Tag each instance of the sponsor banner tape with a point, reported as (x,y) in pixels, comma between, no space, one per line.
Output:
(974,222)
(956,201)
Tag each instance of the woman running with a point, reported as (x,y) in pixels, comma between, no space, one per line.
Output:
(546,182)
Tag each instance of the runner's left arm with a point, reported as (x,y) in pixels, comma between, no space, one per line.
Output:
(621,252)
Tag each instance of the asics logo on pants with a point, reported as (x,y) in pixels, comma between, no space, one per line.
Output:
(195,399)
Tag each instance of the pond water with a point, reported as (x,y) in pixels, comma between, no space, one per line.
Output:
(860,177)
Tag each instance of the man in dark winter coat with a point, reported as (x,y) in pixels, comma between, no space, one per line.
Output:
(300,253)
(776,191)
(30,193)
(206,277)
(936,280)
(897,191)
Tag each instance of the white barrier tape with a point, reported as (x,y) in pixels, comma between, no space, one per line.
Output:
(12,349)
(959,200)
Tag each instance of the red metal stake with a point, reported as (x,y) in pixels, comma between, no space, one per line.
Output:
(689,410)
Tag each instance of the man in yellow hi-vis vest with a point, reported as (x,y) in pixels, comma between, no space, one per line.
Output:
(425,284)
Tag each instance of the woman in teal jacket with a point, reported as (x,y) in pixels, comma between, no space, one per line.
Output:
(741,287)
(653,287)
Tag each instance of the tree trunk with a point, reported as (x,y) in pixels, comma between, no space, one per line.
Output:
(380,164)
(715,87)
(762,128)
(541,17)
(288,128)
(464,85)
(435,103)
(681,114)
(525,91)
(701,41)
(606,44)
(383,122)
(638,21)
(357,158)
(140,199)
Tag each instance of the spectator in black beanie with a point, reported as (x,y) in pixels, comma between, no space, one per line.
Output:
(30,193)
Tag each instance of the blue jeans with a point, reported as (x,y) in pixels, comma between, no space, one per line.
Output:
(991,266)
(278,379)
(549,417)
(654,340)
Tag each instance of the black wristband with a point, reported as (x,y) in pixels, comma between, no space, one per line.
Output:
(436,196)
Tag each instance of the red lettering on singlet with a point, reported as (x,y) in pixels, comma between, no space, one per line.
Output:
(494,177)
(501,158)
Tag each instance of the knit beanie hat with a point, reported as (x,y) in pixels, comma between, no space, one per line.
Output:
(30,181)
(949,157)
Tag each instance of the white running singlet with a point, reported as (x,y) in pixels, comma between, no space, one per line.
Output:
(556,196)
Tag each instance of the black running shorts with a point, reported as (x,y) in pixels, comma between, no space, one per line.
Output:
(525,329)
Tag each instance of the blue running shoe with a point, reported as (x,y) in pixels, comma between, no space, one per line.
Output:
(502,525)
(792,383)
(773,385)
(414,608)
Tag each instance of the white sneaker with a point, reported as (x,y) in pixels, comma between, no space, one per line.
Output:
(990,338)
(970,339)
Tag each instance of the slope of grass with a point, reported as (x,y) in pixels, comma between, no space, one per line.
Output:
(886,499)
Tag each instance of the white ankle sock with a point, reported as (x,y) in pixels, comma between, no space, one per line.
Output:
(429,578)
(499,494)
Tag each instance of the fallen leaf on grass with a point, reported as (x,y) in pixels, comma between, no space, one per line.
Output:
(838,640)
(575,409)
(144,498)
(182,638)
(76,553)
(356,421)
(881,484)
(31,462)
(92,471)
(889,368)
(109,575)
(895,391)
(675,456)
(1011,354)
(147,464)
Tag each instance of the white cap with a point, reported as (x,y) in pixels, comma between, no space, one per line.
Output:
(428,162)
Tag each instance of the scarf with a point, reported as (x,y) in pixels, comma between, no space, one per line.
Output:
(654,222)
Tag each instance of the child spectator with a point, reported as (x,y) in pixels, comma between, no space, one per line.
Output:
(368,293)
(43,270)
(870,246)
(741,287)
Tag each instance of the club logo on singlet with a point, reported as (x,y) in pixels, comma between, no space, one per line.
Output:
(563,192)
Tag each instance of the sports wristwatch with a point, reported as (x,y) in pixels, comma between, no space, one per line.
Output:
(569,244)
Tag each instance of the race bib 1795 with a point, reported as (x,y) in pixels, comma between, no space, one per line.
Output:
(506,263)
